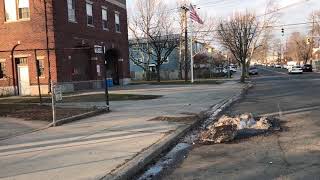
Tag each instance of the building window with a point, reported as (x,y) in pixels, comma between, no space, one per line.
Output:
(40,67)
(166,61)
(117,21)
(16,10)
(104,18)
(72,11)
(89,13)
(2,70)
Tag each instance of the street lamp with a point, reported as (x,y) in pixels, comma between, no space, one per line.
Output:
(13,68)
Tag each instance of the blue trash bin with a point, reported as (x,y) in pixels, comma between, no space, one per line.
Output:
(109,82)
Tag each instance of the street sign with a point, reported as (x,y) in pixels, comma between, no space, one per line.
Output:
(58,93)
(98,49)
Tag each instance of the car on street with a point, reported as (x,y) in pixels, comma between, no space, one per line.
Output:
(295,69)
(278,66)
(307,68)
(253,71)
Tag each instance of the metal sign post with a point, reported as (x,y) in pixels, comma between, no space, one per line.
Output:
(53,98)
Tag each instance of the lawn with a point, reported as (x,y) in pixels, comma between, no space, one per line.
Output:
(37,112)
(81,98)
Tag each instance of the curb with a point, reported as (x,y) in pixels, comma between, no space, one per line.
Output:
(136,164)
(79,117)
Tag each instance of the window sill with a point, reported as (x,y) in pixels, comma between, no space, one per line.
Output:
(89,25)
(16,21)
(70,21)
(42,77)
(105,29)
(119,32)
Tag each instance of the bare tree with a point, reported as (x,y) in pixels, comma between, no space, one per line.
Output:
(140,25)
(260,45)
(238,35)
(304,49)
(153,31)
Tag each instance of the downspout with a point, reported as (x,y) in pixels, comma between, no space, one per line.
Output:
(14,78)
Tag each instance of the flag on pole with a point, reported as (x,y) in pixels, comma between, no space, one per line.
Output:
(194,15)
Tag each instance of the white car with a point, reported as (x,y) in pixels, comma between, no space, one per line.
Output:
(277,66)
(295,70)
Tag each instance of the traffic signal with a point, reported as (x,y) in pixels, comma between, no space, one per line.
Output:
(282,31)
(308,40)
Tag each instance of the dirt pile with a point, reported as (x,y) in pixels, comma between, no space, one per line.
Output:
(227,128)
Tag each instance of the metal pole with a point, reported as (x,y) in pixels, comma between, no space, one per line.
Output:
(38,74)
(13,63)
(53,98)
(186,43)
(191,51)
(47,41)
(106,93)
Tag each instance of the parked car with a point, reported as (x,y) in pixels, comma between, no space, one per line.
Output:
(278,66)
(253,71)
(295,69)
(307,68)
(285,66)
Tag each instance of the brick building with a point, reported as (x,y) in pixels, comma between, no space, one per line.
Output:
(65,41)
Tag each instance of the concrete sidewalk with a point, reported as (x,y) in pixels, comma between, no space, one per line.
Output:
(98,146)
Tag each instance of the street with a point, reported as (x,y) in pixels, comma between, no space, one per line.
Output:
(293,153)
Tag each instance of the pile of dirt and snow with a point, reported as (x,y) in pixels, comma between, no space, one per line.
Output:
(227,128)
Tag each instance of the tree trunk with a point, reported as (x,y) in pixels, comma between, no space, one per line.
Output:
(158,73)
(243,73)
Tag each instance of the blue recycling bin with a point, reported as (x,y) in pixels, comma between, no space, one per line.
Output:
(109,81)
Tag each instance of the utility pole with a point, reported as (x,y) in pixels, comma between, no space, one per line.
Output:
(185,10)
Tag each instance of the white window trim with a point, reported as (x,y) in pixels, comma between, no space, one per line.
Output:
(75,13)
(17,14)
(89,25)
(106,9)
(118,13)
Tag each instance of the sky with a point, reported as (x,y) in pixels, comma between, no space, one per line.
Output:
(297,12)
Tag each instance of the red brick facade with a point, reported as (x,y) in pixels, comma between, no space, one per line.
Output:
(72,57)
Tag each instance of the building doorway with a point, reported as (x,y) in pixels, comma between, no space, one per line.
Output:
(24,81)
(113,68)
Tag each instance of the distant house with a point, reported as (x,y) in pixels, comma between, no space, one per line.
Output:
(171,69)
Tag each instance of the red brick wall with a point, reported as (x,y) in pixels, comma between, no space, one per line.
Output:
(63,34)
(69,34)
(31,35)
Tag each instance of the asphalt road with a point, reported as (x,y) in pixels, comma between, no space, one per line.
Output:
(293,153)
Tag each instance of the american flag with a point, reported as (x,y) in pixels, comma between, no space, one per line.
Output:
(194,15)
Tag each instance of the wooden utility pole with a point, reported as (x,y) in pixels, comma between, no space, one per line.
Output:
(185,10)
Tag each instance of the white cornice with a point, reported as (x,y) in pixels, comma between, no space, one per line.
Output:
(115,2)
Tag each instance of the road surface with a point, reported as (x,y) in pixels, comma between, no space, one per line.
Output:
(291,154)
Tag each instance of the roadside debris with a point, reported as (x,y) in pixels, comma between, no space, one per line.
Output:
(227,128)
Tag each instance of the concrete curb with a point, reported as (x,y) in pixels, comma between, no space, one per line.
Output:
(135,165)
(79,117)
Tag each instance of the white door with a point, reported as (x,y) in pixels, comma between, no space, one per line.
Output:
(24,81)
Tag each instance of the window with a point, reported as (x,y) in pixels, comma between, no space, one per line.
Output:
(17,10)
(104,18)
(72,11)
(2,70)
(117,21)
(166,61)
(23,7)
(89,14)
(40,67)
